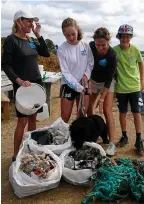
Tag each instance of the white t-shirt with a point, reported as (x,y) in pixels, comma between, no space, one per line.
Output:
(75,61)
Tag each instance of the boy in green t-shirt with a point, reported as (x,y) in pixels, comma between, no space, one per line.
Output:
(130,82)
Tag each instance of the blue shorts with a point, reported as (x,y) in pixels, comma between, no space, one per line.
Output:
(134,99)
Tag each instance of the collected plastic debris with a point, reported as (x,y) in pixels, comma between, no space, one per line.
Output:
(40,164)
(49,136)
(85,158)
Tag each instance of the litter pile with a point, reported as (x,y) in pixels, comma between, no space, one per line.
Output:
(85,158)
(49,137)
(55,137)
(35,170)
(40,165)
(118,182)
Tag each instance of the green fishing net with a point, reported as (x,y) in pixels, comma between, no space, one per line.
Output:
(118,182)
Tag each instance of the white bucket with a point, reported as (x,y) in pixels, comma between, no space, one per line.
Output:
(44,114)
(30,99)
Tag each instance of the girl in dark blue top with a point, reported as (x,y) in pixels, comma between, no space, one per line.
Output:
(102,80)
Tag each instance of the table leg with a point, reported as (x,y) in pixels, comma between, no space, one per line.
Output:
(11,94)
(47,87)
(6,110)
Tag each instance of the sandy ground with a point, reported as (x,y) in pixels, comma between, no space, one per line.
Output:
(65,193)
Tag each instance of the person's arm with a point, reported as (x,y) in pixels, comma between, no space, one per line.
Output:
(89,68)
(90,63)
(68,78)
(141,69)
(112,65)
(42,48)
(101,100)
(111,72)
(8,49)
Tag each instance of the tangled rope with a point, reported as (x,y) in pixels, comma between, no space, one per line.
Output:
(118,182)
(81,106)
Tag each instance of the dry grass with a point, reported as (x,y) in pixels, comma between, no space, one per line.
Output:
(50,64)
(65,193)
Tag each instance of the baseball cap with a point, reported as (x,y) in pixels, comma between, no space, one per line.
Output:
(23,14)
(125,29)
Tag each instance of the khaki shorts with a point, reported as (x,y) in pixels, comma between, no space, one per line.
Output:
(98,87)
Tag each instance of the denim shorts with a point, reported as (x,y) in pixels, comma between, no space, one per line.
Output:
(134,99)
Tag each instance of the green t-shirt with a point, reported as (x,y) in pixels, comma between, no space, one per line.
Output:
(128,74)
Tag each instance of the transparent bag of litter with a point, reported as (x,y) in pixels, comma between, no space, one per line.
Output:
(61,129)
(23,184)
(77,177)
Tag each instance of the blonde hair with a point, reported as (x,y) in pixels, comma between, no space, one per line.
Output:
(102,33)
(71,22)
(15,28)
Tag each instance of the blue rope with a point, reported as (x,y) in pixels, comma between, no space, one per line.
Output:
(118,182)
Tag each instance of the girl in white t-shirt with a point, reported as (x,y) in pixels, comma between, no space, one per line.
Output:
(76,63)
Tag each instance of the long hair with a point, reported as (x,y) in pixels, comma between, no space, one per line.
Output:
(71,22)
(102,33)
(14,28)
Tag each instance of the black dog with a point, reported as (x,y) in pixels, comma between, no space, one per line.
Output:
(88,129)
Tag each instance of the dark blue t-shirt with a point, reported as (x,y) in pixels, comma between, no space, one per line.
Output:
(19,58)
(104,66)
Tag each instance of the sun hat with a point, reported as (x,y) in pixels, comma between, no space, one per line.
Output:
(20,14)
